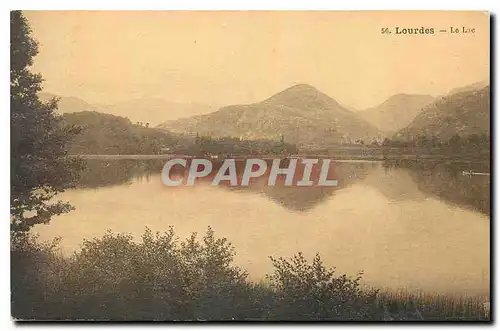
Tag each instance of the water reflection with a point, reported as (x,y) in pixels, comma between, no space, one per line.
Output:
(102,172)
(444,180)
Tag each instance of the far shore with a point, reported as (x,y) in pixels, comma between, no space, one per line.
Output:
(342,158)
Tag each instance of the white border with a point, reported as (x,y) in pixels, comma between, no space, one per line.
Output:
(253,5)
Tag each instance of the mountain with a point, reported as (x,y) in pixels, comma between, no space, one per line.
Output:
(108,134)
(155,111)
(68,104)
(145,110)
(301,114)
(462,113)
(396,112)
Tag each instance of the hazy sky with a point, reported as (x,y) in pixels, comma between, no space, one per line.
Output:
(242,57)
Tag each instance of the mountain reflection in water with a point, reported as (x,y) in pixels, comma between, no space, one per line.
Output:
(415,225)
(443,180)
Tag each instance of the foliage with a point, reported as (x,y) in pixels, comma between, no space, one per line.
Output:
(161,277)
(473,141)
(109,134)
(205,145)
(40,167)
(463,113)
(32,264)
(310,291)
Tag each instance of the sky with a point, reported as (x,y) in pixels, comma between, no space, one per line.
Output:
(223,58)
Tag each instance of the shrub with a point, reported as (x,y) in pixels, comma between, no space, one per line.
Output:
(158,278)
(33,264)
(161,277)
(312,292)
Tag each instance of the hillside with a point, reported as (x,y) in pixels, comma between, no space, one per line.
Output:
(462,114)
(396,112)
(302,114)
(68,104)
(109,134)
(141,110)
(470,87)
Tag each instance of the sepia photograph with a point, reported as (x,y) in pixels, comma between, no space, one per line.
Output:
(246,166)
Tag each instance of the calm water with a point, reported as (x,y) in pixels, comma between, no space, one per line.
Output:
(420,226)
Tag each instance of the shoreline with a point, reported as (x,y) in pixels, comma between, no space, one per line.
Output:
(343,158)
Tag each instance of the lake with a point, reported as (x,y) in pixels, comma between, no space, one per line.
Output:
(414,225)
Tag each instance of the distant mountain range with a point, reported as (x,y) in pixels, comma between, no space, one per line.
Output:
(301,114)
(68,104)
(145,110)
(396,112)
(462,113)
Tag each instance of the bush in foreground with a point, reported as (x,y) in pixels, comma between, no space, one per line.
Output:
(161,277)
(311,292)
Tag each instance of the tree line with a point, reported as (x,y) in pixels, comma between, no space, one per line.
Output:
(476,141)
(236,146)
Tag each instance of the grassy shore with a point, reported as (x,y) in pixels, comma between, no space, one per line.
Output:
(437,307)
(164,278)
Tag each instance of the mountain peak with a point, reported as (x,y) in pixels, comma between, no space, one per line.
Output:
(302,88)
(321,119)
(302,96)
(397,111)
